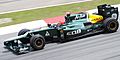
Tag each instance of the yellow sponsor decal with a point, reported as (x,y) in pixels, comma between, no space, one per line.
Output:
(95,18)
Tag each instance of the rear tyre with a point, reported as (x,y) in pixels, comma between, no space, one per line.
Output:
(23,31)
(37,42)
(110,25)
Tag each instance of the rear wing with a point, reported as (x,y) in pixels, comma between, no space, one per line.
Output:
(107,11)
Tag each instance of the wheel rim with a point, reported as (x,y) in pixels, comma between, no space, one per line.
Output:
(38,42)
(112,26)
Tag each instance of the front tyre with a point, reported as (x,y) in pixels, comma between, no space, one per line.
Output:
(37,42)
(110,25)
(23,31)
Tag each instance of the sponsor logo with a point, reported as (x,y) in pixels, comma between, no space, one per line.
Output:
(47,33)
(74,32)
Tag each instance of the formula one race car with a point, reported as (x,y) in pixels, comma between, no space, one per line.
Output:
(75,26)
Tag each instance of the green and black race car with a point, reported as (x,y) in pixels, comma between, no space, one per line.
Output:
(77,25)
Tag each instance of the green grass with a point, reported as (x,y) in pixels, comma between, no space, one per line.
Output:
(43,13)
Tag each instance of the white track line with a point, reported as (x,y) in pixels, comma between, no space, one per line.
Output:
(43,7)
(18,27)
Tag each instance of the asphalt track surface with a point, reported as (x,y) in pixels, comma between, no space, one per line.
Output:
(13,5)
(97,47)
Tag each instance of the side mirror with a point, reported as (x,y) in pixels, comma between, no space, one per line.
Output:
(48,25)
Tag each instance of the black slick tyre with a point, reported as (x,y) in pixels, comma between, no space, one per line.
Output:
(110,25)
(37,42)
(23,31)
